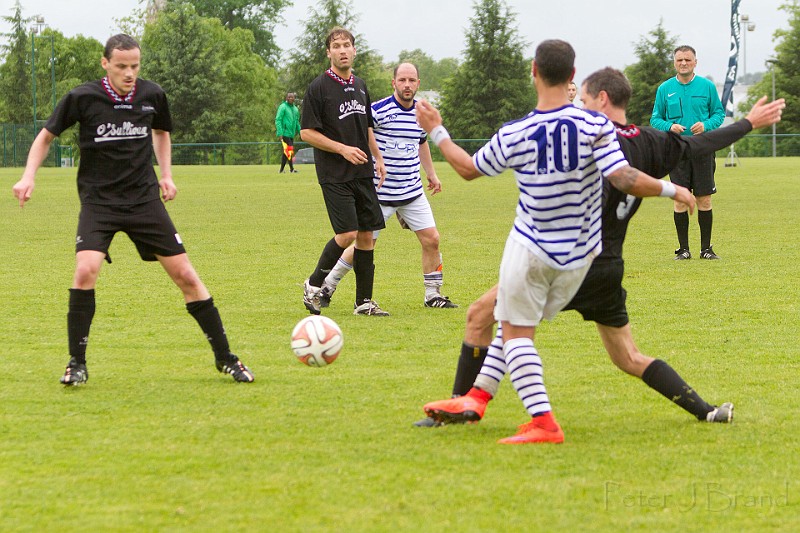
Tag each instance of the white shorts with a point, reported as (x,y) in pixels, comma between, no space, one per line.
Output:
(418,214)
(529,290)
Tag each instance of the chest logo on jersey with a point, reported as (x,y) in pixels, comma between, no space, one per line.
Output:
(353,107)
(114,132)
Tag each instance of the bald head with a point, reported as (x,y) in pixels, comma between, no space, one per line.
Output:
(405,83)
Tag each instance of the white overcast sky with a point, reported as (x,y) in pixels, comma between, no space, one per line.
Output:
(602,31)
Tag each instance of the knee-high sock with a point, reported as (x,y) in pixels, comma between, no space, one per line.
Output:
(364,267)
(469,364)
(330,254)
(705,220)
(662,378)
(339,271)
(207,315)
(79,321)
(525,369)
(682,227)
(494,366)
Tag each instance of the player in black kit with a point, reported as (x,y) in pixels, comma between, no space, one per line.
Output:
(123,122)
(337,122)
(601,297)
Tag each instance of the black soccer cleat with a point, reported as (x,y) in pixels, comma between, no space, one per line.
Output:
(325,295)
(427,422)
(708,253)
(311,298)
(75,374)
(233,366)
(440,301)
(682,254)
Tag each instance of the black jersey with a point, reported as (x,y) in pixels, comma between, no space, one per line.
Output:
(340,110)
(656,153)
(115,138)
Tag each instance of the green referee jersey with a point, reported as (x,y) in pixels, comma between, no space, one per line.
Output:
(687,104)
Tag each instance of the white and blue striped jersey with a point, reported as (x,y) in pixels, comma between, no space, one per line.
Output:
(398,136)
(559,158)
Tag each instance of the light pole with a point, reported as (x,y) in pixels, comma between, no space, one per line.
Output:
(770,64)
(38,25)
(747,26)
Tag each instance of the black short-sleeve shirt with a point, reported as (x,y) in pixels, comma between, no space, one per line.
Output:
(342,112)
(116,141)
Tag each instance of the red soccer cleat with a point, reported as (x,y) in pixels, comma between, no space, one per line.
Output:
(468,408)
(542,428)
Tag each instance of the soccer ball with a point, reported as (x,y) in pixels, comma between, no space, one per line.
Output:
(317,340)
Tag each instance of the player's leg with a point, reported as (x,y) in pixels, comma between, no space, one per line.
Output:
(681,175)
(658,375)
(704,186)
(340,203)
(370,218)
(200,305)
(81,313)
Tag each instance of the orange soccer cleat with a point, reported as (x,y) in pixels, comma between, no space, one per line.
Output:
(543,428)
(468,408)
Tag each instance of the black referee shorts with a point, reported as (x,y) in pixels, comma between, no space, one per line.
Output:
(696,174)
(353,206)
(601,297)
(148,225)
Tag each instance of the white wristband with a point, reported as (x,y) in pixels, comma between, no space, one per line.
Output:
(438,134)
(667,189)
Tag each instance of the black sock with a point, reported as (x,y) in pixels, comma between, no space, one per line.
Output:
(79,321)
(661,377)
(469,366)
(705,220)
(364,267)
(682,227)
(330,254)
(207,315)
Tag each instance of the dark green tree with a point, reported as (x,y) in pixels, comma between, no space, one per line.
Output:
(218,87)
(493,84)
(308,59)
(654,53)
(431,72)
(15,71)
(258,16)
(786,70)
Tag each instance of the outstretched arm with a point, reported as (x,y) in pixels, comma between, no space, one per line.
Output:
(635,182)
(431,121)
(39,149)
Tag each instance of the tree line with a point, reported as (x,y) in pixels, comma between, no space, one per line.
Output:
(225,75)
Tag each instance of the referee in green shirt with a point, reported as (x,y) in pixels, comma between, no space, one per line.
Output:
(688,104)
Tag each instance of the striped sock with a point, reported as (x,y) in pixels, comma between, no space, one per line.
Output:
(494,366)
(525,369)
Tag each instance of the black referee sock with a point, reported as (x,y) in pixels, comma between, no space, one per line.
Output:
(682,227)
(705,220)
(330,254)
(79,321)
(364,267)
(207,315)
(663,378)
(469,366)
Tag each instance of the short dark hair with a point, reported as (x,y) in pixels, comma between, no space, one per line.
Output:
(416,68)
(120,41)
(684,48)
(555,61)
(613,82)
(338,31)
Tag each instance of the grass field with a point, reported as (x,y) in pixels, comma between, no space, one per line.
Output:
(159,441)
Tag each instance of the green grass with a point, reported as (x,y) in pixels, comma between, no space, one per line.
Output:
(159,441)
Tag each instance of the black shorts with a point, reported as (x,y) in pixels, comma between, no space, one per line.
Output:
(353,206)
(696,174)
(288,140)
(148,225)
(601,297)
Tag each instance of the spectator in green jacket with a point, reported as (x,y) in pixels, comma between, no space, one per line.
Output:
(689,105)
(287,126)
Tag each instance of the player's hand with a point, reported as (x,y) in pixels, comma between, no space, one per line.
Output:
(682,195)
(23,190)
(677,128)
(763,114)
(354,154)
(380,171)
(434,185)
(428,117)
(698,128)
(168,189)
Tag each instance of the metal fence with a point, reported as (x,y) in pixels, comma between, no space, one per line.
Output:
(17,140)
